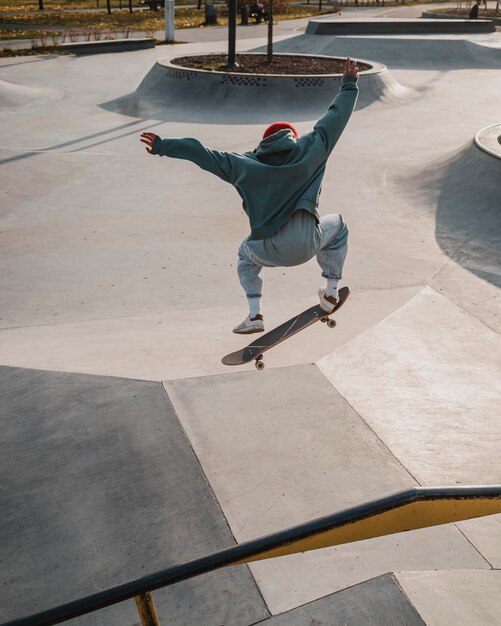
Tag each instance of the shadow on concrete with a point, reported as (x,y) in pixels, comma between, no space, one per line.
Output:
(80,144)
(466,189)
(149,107)
(38,59)
(101,485)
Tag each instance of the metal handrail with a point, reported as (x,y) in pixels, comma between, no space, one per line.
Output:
(406,510)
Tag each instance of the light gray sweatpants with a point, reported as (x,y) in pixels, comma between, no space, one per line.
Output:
(300,239)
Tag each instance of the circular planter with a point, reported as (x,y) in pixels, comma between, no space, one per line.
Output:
(299,94)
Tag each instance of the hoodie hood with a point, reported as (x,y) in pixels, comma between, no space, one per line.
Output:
(276,147)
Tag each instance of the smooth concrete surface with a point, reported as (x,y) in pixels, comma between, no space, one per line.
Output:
(440,52)
(484,535)
(101,486)
(15,95)
(377,602)
(460,598)
(176,344)
(465,189)
(285,448)
(118,264)
(426,379)
(294,580)
(101,239)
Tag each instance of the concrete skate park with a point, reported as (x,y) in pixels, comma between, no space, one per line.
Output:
(128,448)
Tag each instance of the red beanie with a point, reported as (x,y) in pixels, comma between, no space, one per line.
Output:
(276,126)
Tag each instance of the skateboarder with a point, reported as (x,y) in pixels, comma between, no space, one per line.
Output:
(279,183)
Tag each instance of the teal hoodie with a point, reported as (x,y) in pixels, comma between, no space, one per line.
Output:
(283,174)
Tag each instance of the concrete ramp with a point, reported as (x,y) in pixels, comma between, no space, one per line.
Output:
(378,602)
(14,95)
(403,51)
(461,598)
(463,189)
(426,379)
(100,486)
(168,87)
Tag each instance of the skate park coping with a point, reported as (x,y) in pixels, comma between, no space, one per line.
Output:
(489,140)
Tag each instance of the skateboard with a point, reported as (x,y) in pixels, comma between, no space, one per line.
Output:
(254,351)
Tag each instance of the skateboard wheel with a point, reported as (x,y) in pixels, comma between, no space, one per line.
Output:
(260,364)
(324,319)
(331,323)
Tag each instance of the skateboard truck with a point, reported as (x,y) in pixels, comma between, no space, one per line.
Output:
(327,320)
(259,360)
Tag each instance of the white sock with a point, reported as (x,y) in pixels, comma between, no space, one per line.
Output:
(331,289)
(254,306)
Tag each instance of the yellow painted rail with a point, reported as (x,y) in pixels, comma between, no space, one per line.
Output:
(400,512)
(421,513)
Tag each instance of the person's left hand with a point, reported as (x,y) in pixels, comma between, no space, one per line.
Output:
(350,68)
(149,140)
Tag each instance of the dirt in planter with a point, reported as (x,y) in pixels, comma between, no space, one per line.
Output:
(258,64)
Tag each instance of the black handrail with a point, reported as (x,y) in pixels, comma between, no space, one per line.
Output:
(245,551)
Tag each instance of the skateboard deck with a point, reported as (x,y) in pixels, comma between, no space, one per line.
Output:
(254,351)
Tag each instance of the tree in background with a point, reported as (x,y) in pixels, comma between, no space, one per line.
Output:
(270,8)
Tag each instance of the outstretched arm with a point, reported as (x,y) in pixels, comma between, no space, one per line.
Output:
(332,124)
(217,163)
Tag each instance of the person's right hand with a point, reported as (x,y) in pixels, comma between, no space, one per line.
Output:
(149,140)
(350,68)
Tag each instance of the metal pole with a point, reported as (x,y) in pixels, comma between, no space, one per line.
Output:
(232,33)
(169,20)
(146,609)
(270,30)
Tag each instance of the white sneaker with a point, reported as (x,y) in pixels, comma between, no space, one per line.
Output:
(249,326)
(327,306)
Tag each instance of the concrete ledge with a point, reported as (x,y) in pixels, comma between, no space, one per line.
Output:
(489,140)
(398,27)
(444,16)
(109,45)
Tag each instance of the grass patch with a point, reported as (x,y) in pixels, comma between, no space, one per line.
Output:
(144,21)
(51,5)
(100,20)
(8,6)
(82,21)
